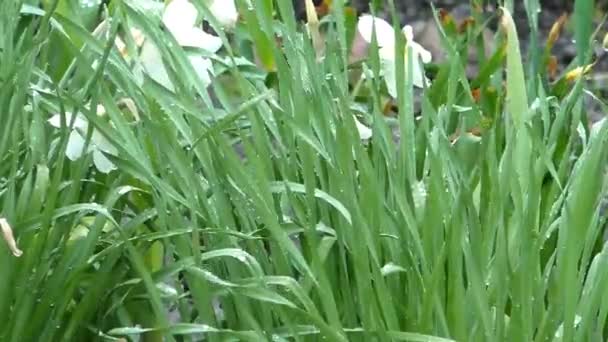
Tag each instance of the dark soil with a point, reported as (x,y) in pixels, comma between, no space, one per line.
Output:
(416,10)
(551,10)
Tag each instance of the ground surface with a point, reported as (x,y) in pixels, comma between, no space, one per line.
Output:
(419,12)
(416,10)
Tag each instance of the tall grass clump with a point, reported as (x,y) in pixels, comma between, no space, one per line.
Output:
(279,197)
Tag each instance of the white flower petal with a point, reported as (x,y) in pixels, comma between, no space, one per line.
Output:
(179,15)
(55,121)
(418,77)
(79,122)
(102,163)
(389,70)
(390,78)
(180,18)
(224,11)
(100,110)
(102,144)
(387,59)
(387,53)
(152,62)
(408,32)
(203,67)
(418,49)
(195,37)
(423,53)
(120,46)
(75,147)
(365,133)
(385,35)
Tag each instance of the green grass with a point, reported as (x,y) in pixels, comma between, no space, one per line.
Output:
(494,236)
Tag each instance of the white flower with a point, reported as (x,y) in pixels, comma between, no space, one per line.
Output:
(385,38)
(365,133)
(179,17)
(224,11)
(98,145)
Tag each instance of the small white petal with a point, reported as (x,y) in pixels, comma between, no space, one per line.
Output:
(387,53)
(390,77)
(75,147)
(180,18)
(365,133)
(224,11)
(385,35)
(423,53)
(152,62)
(408,32)
(195,37)
(79,122)
(203,67)
(101,110)
(120,46)
(102,144)
(387,59)
(55,121)
(418,77)
(387,56)
(102,163)
(179,15)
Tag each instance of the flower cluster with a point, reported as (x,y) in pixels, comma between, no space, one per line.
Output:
(369,26)
(180,17)
(385,37)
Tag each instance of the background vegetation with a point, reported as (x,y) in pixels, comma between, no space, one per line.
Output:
(252,210)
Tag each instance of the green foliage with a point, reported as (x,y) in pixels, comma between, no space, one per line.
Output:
(251,209)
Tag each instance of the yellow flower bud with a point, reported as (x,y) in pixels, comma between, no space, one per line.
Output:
(556,29)
(578,72)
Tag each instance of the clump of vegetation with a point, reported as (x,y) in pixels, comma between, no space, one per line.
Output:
(270,178)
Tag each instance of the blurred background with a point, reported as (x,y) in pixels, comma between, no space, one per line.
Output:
(418,13)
